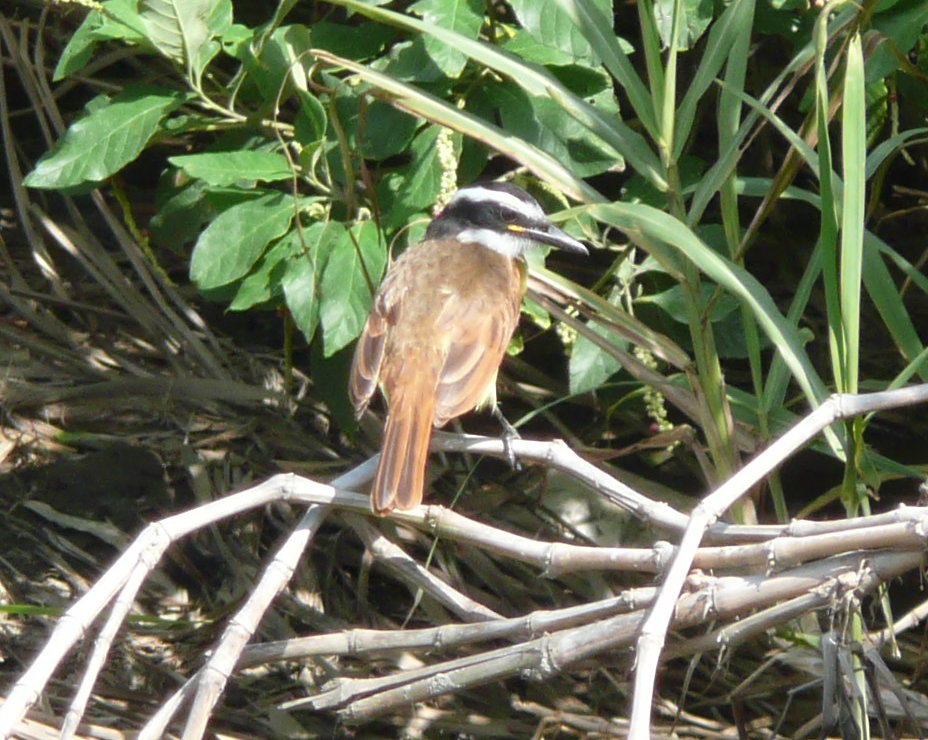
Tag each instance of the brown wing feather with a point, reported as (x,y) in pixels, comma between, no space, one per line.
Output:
(367,361)
(468,375)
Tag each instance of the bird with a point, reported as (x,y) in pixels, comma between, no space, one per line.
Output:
(439,326)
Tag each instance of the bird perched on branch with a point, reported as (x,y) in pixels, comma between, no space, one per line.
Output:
(440,324)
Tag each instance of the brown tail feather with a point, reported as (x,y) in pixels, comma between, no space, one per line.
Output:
(400,477)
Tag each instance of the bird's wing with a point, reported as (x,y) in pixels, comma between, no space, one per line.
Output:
(468,375)
(368,354)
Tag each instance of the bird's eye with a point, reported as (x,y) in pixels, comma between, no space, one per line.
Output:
(508,215)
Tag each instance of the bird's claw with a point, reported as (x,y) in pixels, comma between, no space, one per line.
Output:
(509,433)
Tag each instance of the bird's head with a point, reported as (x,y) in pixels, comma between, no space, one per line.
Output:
(501,217)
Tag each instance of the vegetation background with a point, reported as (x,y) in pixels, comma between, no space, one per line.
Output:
(203,196)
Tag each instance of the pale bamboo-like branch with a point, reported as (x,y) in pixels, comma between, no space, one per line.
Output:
(653,631)
(796,567)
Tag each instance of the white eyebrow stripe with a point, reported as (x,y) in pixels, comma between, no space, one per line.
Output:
(479,194)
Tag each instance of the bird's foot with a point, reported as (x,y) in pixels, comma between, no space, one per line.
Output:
(509,433)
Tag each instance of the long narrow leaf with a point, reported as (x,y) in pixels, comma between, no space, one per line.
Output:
(853,159)
(597,29)
(420,103)
(733,24)
(710,183)
(891,145)
(627,142)
(885,296)
(646,224)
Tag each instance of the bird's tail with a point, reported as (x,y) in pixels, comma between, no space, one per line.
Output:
(400,478)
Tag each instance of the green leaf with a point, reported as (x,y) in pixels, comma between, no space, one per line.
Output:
(121,21)
(352,42)
(181,215)
(301,281)
(890,147)
(463,16)
(541,121)
(237,237)
(617,134)
(101,143)
(176,28)
(551,26)
(227,168)
(264,281)
(695,16)
(658,231)
(853,206)
(403,194)
(311,120)
(330,383)
(886,297)
(897,26)
(347,284)
(386,131)
(79,48)
(281,64)
(590,365)
(675,303)
(522,44)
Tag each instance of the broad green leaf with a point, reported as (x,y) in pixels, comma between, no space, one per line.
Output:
(410,61)
(301,281)
(541,121)
(176,28)
(99,144)
(237,238)
(695,18)
(400,195)
(281,63)
(552,27)
(463,16)
(264,281)
(674,302)
(79,48)
(311,119)
(219,24)
(352,42)
(330,383)
(525,46)
(347,283)
(227,168)
(590,365)
(121,21)
(898,26)
(386,131)
(181,216)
